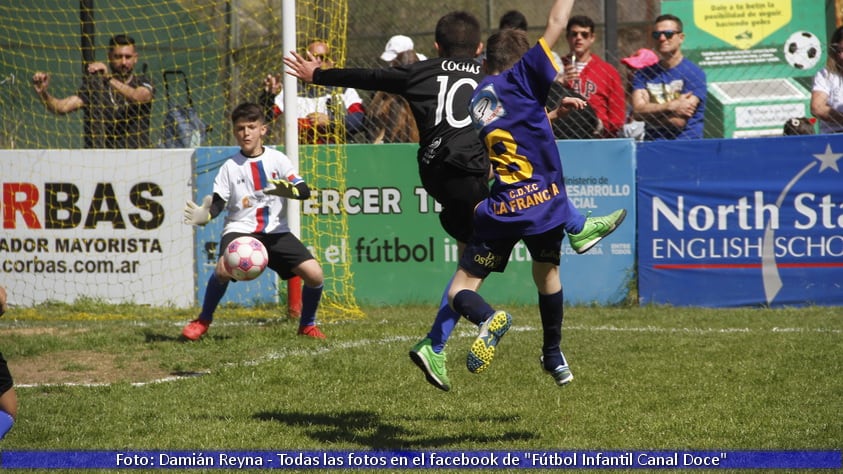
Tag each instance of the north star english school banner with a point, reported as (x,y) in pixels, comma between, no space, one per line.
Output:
(753,222)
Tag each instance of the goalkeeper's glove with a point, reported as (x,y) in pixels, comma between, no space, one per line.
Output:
(282,188)
(194,214)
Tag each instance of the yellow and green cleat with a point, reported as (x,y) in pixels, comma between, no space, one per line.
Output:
(483,349)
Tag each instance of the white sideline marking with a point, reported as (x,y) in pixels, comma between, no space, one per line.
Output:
(464,332)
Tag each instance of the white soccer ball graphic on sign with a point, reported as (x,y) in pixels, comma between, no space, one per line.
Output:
(802,50)
(245,258)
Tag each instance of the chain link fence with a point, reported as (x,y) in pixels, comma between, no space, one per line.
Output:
(759,56)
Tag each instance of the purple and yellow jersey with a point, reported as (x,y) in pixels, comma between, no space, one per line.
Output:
(528,195)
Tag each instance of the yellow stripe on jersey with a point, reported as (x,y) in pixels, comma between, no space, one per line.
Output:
(548,52)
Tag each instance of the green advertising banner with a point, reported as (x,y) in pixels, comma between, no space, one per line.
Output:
(759,57)
(399,253)
(752,39)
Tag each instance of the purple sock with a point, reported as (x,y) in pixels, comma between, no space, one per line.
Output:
(443,325)
(6,422)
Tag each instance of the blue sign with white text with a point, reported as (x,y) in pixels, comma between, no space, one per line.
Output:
(752,222)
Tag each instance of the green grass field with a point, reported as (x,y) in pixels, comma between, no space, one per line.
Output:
(94,376)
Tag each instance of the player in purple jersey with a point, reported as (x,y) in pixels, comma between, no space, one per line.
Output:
(528,200)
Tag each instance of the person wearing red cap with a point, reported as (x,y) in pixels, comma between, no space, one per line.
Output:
(642,58)
(669,96)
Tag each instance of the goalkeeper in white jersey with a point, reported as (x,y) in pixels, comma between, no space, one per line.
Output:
(252,186)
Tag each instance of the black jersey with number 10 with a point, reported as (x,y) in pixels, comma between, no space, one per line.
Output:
(439,91)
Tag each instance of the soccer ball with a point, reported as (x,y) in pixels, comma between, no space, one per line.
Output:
(802,50)
(245,258)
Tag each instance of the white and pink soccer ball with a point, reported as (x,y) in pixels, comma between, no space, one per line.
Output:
(245,258)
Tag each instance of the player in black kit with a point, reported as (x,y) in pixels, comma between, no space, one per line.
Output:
(453,163)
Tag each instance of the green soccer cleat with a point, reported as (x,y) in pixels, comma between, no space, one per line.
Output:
(483,349)
(561,374)
(595,229)
(431,363)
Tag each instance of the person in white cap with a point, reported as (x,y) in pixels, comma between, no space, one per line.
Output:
(397,45)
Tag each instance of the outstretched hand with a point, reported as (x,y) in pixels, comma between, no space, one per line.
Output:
(40,82)
(195,214)
(300,67)
(272,84)
(566,105)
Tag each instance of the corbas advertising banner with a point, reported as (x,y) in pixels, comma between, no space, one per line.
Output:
(741,222)
(102,224)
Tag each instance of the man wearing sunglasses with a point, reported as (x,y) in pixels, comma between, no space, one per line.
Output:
(590,77)
(670,95)
(320,108)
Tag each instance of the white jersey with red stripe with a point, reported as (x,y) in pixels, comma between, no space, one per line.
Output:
(239,182)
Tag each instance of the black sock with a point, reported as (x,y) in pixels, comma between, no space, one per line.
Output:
(550,308)
(471,305)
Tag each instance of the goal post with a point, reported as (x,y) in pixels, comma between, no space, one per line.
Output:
(323,165)
(291,148)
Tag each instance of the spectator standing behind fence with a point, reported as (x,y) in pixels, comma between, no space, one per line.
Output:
(117,101)
(642,58)
(8,397)
(389,118)
(513,19)
(670,95)
(318,106)
(399,44)
(593,79)
(827,92)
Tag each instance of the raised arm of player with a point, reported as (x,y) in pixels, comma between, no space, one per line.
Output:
(300,67)
(557,21)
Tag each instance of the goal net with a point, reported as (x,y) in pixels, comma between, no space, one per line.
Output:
(222,50)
